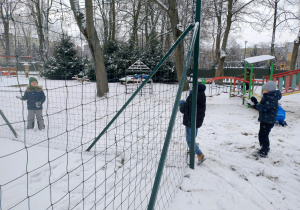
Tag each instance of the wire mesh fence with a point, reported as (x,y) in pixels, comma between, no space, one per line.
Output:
(50,168)
(43,159)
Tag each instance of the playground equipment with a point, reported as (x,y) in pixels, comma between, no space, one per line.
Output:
(8,71)
(234,83)
(231,83)
(250,61)
(287,82)
(132,82)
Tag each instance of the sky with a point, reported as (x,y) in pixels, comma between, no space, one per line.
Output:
(253,37)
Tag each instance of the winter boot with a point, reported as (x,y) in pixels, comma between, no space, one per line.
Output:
(30,125)
(41,125)
(200,158)
(263,152)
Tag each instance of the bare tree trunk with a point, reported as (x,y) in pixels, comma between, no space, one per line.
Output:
(295,52)
(113,24)
(274,27)
(218,12)
(7,9)
(27,37)
(172,12)
(91,36)
(179,52)
(41,17)
(105,22)
(219,70)
(136,13)
(7,39)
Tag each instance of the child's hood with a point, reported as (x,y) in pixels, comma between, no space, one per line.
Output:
(275,93)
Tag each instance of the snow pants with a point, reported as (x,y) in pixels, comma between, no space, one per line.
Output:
(39,117)
(263,135)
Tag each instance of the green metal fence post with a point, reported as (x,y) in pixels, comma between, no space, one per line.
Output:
(171,125)
(272,68)
(230,88)
(195,87)
(250,83)
(8,124)
(245,75)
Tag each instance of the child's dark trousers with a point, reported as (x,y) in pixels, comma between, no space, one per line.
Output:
(263,135)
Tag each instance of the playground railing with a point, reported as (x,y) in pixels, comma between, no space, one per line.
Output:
(288,82)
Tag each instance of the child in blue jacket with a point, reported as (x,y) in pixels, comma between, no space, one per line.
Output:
(268,108)
(280,116)
(35,97)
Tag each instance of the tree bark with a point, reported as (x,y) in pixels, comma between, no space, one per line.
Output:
(91,36)
(274,27)
(179,52)
(219,70)
(218,10)
(295,52)
(41,16)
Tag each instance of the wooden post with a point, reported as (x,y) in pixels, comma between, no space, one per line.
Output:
(26,66)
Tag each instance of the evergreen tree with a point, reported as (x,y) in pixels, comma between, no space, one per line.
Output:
(120,56)
(65,62)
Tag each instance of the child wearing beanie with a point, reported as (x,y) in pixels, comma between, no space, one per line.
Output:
(268,108)
(35,97)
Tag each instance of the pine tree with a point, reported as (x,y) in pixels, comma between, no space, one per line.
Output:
(65,62)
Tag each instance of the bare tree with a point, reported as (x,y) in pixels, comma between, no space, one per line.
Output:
(295,52)
(7,9)
(40,10)
(172,11)
(282,16)
(108,14)
(86,26)
(233,10)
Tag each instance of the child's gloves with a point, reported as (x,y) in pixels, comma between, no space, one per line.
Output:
(181,102)
(18,97)
(254,100)
(38,104)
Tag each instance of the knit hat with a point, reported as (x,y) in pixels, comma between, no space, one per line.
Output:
(201,87)
(269,86)
(32,79)
(248,69)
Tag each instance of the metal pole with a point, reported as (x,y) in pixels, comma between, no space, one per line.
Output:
(171,125)
(246,65)
(250,82)
(245,50)
(271,73)
(195,87)
(8,124)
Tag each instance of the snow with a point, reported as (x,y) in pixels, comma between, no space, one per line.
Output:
(259,58)
(222,53)
(230,178)
(162,5)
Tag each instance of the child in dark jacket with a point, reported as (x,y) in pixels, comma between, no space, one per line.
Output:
(186,109)
(268,108)
(35,97)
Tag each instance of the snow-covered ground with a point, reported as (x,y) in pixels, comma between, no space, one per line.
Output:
(231,178)
(42,170)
